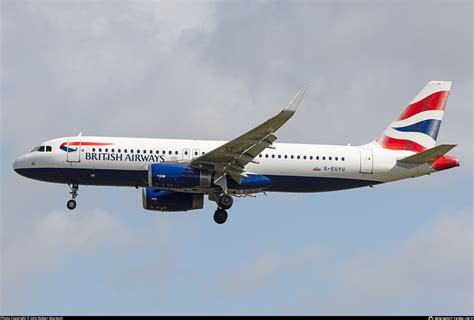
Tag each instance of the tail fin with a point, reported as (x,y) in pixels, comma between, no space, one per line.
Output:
(416,129)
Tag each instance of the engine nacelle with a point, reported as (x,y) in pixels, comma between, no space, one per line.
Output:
(167,200)
(177,176)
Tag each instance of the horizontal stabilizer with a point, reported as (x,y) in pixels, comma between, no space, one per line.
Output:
(429,155)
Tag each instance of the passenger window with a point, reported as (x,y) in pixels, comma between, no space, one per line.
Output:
(292,156)
(185,153)
(124,150)
(310,157)
(151,151)
(317,157)
(330,158)
(48,149)
(131,150)
(336,158)
(297,157)
(176,152)
(100,149)
(286,156)
(195,153)
(113,150)
(279,156)
(138,150)
(324,158)
(342,158)
(170,152)
(260,155)
(119,150)
(266,156)
(157,152)
(273,156)
(93,149)
(144,151)
(203,152)
(304,157)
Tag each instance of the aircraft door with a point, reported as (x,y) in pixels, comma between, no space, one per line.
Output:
(366,161)
(73,150)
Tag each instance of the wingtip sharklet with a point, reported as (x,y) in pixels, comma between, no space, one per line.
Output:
(293,104)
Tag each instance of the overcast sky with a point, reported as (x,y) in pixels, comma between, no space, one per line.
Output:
(213,70)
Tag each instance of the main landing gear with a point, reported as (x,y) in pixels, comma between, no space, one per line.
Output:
(71,204)
(224,202)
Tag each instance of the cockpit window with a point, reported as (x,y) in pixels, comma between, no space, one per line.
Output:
(41,149)
(35,149)
(48,149)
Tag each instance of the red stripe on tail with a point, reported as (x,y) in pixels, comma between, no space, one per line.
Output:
(435,101)
(398,144)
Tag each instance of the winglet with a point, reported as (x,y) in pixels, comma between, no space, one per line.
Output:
(293,104)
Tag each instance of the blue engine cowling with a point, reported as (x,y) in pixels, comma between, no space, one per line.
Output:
(167,200)
(177,176)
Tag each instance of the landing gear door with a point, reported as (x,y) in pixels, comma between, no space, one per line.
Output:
(73,150)
(366,161)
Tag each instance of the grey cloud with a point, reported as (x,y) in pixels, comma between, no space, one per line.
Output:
(430,273)
(43,246)
(267,268)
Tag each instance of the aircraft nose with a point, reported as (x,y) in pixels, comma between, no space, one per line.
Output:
(15,165)
(18,164)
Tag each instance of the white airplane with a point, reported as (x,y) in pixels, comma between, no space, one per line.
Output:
(176,174)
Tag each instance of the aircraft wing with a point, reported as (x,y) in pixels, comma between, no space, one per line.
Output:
(231,158)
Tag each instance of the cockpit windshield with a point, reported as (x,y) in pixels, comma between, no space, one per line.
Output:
(42,149)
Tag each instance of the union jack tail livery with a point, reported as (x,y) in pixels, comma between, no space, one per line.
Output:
(416,129)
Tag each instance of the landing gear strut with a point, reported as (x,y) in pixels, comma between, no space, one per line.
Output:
(71,204)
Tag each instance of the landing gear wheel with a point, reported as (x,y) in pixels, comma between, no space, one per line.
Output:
(71,204)
(225,201)
(220,216)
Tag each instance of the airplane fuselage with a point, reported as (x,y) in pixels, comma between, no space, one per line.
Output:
(176,174)
(111,161)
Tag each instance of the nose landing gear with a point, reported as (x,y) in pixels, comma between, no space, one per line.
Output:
(71,204)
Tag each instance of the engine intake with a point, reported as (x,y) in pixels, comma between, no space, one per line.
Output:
(167,200)
(177,176)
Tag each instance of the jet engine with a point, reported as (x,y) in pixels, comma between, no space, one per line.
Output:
(177,176)
(167,200)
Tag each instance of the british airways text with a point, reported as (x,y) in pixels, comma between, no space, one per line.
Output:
(124,157)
